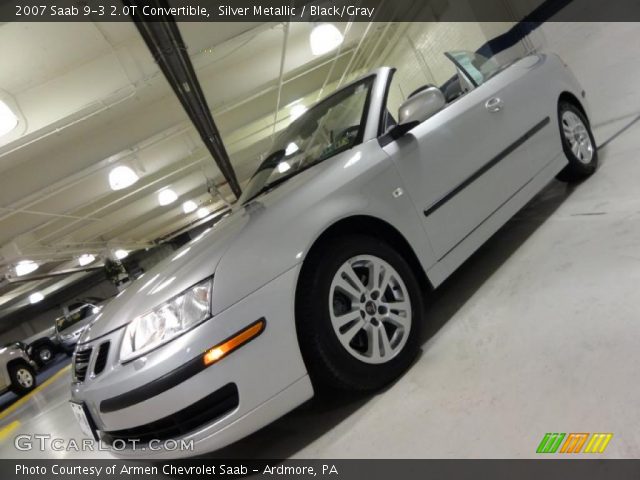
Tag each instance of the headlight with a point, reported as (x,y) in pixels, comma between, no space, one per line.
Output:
(167,321)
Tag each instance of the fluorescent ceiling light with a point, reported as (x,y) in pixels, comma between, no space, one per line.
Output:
(166,196)
(120,254)
(189,206)
(324,38)
(291,149)
(36,297)
(203,212)
(25,267)
(297,110)
(8,119)
(283,167)
(122,177)
(86,259)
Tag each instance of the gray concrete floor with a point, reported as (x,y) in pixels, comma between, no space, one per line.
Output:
(538,332)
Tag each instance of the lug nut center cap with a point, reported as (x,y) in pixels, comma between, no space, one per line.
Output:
(370,307)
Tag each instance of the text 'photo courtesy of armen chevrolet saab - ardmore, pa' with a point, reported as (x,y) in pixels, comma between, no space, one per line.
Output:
(319,238)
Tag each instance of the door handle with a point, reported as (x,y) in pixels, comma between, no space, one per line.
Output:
(494,104)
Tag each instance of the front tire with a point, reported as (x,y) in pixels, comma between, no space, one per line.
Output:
(44,355)
(23,378)
(359,314)
(578,144)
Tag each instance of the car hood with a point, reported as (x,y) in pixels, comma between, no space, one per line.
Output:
(185,267)
(192,263)
(10,351)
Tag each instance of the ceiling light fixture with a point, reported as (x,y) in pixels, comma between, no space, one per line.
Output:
(25,267)
(166,197)
(297,110)
(36,297)
(86,259)
(203,212)
(120,254)
(189,206)
(325,37)
(8,119)
(122,177)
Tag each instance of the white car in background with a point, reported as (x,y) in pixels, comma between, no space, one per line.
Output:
(316,279)
(17,370)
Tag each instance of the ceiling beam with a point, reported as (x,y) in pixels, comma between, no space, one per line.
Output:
(165,43)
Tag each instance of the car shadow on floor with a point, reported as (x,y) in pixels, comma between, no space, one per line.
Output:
(291,433)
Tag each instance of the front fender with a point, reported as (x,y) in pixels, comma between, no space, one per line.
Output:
(362,181)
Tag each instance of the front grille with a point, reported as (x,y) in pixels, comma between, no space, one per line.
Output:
(184,421)
(101,358)
(81,363)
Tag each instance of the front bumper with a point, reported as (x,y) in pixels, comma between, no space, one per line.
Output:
(268,374)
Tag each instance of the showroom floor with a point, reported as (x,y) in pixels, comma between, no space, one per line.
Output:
(537,332)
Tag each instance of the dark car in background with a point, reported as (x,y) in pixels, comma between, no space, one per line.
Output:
(43,346)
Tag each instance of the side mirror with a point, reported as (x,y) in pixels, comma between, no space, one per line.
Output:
(422,105)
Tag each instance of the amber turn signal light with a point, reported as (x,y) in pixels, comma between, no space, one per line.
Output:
(218,352)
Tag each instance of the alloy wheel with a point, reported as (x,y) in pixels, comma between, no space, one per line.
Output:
(24,378)
(577,135)
(370,309)
(45,354)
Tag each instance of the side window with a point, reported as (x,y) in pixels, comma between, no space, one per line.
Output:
(477,67)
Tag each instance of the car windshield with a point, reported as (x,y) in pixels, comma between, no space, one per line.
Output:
(332,126)
(74,317)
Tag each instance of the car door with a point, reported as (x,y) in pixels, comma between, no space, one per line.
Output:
(460,165)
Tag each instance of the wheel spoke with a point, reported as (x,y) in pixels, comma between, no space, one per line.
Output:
(374,344)
(341,320)
(575,148)
(347,288)
(585,150)
(380,277)
(401,306)
(347,336)
(399,320)
(384,337)
(353,278)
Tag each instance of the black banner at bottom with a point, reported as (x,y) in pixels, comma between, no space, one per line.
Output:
(543,469)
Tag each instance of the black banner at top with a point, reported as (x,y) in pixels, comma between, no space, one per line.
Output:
(320,10)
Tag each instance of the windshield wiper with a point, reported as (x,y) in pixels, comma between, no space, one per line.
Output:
(271,185)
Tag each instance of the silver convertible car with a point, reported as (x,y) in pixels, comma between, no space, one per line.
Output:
(316,278)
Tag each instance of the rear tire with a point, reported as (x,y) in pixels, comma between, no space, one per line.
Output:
(578,144)
(359,314)
(43,355)
(23,378)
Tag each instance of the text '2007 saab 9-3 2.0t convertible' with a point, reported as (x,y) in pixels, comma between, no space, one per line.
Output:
(315,280)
